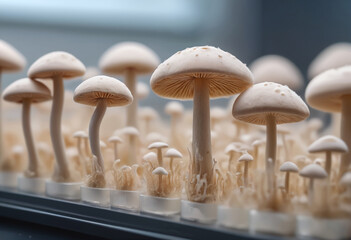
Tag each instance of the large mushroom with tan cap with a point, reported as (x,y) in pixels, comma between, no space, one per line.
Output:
(331,92)
(278,69)
(57,66)
(270,104)
(26,92)
(129,59)
(102,92)
(201,73)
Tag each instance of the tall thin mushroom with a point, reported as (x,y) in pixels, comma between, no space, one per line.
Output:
(288,167)
(246,158)
(158,146)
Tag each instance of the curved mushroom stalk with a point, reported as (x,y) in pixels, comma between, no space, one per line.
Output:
(271,145)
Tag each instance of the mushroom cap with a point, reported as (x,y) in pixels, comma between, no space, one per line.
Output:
(10,58)
(174,78)
(278,69)
(102,144)
(334,56)
(325,91)
(313,171)
(346,179)
(232,147)
(56,63)
(158,145)
(172,152)
(26,88)
(258,142)
(115,139)
(174,108)
(151,156)
(130,131)
(126,55)
(80,134)
(254,104)
(328,143)
(246,157)
(160,171)
(142,90)
(289,167)
(113,91)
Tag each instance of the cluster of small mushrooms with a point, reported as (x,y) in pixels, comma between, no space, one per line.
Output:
(260,152)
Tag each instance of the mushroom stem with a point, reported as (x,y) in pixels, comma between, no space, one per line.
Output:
(132,108)
(328,162)
(230,161)
(255,156)
(271,143)
(202,155)
(32,153)
(94,129)
(55,128)
(81,156)
(115,150)
(171,164)
(345,133)
(86,146)
(310,192)
(246,173)
(159,157)
(287,178)
(159,183)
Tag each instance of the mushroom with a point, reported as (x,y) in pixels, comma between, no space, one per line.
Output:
(129,59)
(57,66)
(328,144)
(288,167)
(27,92)
(246,158)
(80,135)
(132,133)
(270,104)
(115,140)
(172,153)
(331,92)
(278,69)
(160,171)
(158,146)
(102,92)
(11,60)
(312,171)
(201,73)
(230,150)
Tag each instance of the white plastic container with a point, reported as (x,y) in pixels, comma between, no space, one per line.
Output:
(8,179)
(199,212)
(159,205)
(96,196)
(233,217)
(67,191)
(31,185)
(308,226)
(272,222)
(123,199)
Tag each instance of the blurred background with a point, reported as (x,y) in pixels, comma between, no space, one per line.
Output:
(298,29)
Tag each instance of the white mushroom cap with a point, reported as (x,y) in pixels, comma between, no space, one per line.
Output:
(334,56)
(289,167)
(226,74)
(255,103)
(258,142)
(174,108)
(151,156)
(10,58)
(126,55)
(102,144)
(113,91)
(158,145)
(160,171)
(115,139)
(80,134)
(313,171)
(278,69)
(346,179)
(26,88)
(325,91)
(56,63)
(142,90)
(130,131)
(232,147)
(328,143)
(246,157)
(318,161)
(172,152)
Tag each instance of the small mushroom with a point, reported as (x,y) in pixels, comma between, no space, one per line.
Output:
(26,92)
(160,171)
(173,153)
(288,167)
(158,146)
(312,171)
(102,92)
(246,158)
(231,150)
(115,140)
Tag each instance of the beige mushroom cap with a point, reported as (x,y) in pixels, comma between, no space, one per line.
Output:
(160,171)
(246,157)
(157,145)
(151,156)
(56,63)
(26,88)
(126,55)
(255,103)
(113,91)
(328,143)
(334,56)
(289,167)
(232,147)
(10,58)
(346,179)
(80,134)
(130,131)
(278,69)
(172,152)
(313,171)
(325,91)
(174,78)
(115,139)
